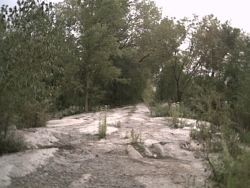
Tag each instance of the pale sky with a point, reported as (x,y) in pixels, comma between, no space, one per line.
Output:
(235,11)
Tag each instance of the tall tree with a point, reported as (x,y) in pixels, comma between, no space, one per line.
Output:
(26,55)
(96,26)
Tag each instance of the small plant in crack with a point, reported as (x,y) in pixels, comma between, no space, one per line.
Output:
(102,129)
(135,137)
(136,140)
(133,109)
(127,135)
(118,124)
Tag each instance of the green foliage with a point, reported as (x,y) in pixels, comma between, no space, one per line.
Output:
(245,137)
(176,111)
(239,172)
(97,44)
(102,128)
(175,114)
(160,110)
(230,172)
(26,56)
(11,144)
(148,94)
(135,137)
(229,168)
(129,87)
(32,115)
(136,140)
(72,110)
(202,134)
(133,109)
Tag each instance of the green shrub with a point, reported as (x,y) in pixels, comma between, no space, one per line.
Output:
(33,114)
(245,137)
(239,172)
(175,114)
(135,137)
(174,110)
(186,112)
(160,110)
(102,129)
(232,167)
(100,108)
(229,172)
(11,144)
(72,110)
(133,109)
(202,134)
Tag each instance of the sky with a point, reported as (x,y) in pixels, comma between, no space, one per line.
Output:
(235,11)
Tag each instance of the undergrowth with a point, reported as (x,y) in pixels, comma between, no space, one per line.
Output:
(177,111)
(11,144)
(228,162)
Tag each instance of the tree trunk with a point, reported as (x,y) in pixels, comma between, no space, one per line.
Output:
(179,94)
(87,97)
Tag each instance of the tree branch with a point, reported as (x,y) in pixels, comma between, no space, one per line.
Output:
(143,58)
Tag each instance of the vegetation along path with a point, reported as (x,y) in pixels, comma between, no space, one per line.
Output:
(69,153)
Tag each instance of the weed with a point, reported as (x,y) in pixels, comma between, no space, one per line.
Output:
(135,137)
(136,141)
(133,109)
(202,133)
(177,116)
(118,124)
(102,129)
(127,135)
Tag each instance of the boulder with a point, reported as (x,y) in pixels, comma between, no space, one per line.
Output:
(133,153)
(147,152)
(159,149)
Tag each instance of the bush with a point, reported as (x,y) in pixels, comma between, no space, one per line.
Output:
(173,110)
(229,172)
(239,172)
(245,137)
(33,114)
(232,167)
(202,134)
(11,144)
(160,110)
(72,110)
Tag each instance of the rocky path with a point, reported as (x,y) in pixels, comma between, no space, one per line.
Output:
(68,153)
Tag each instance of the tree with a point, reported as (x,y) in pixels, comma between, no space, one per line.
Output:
(136,46)
(97,24)
(169,65)
(25,58)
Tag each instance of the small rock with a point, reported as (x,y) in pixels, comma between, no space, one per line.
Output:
(133,153)
(159,149)
(148,152)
